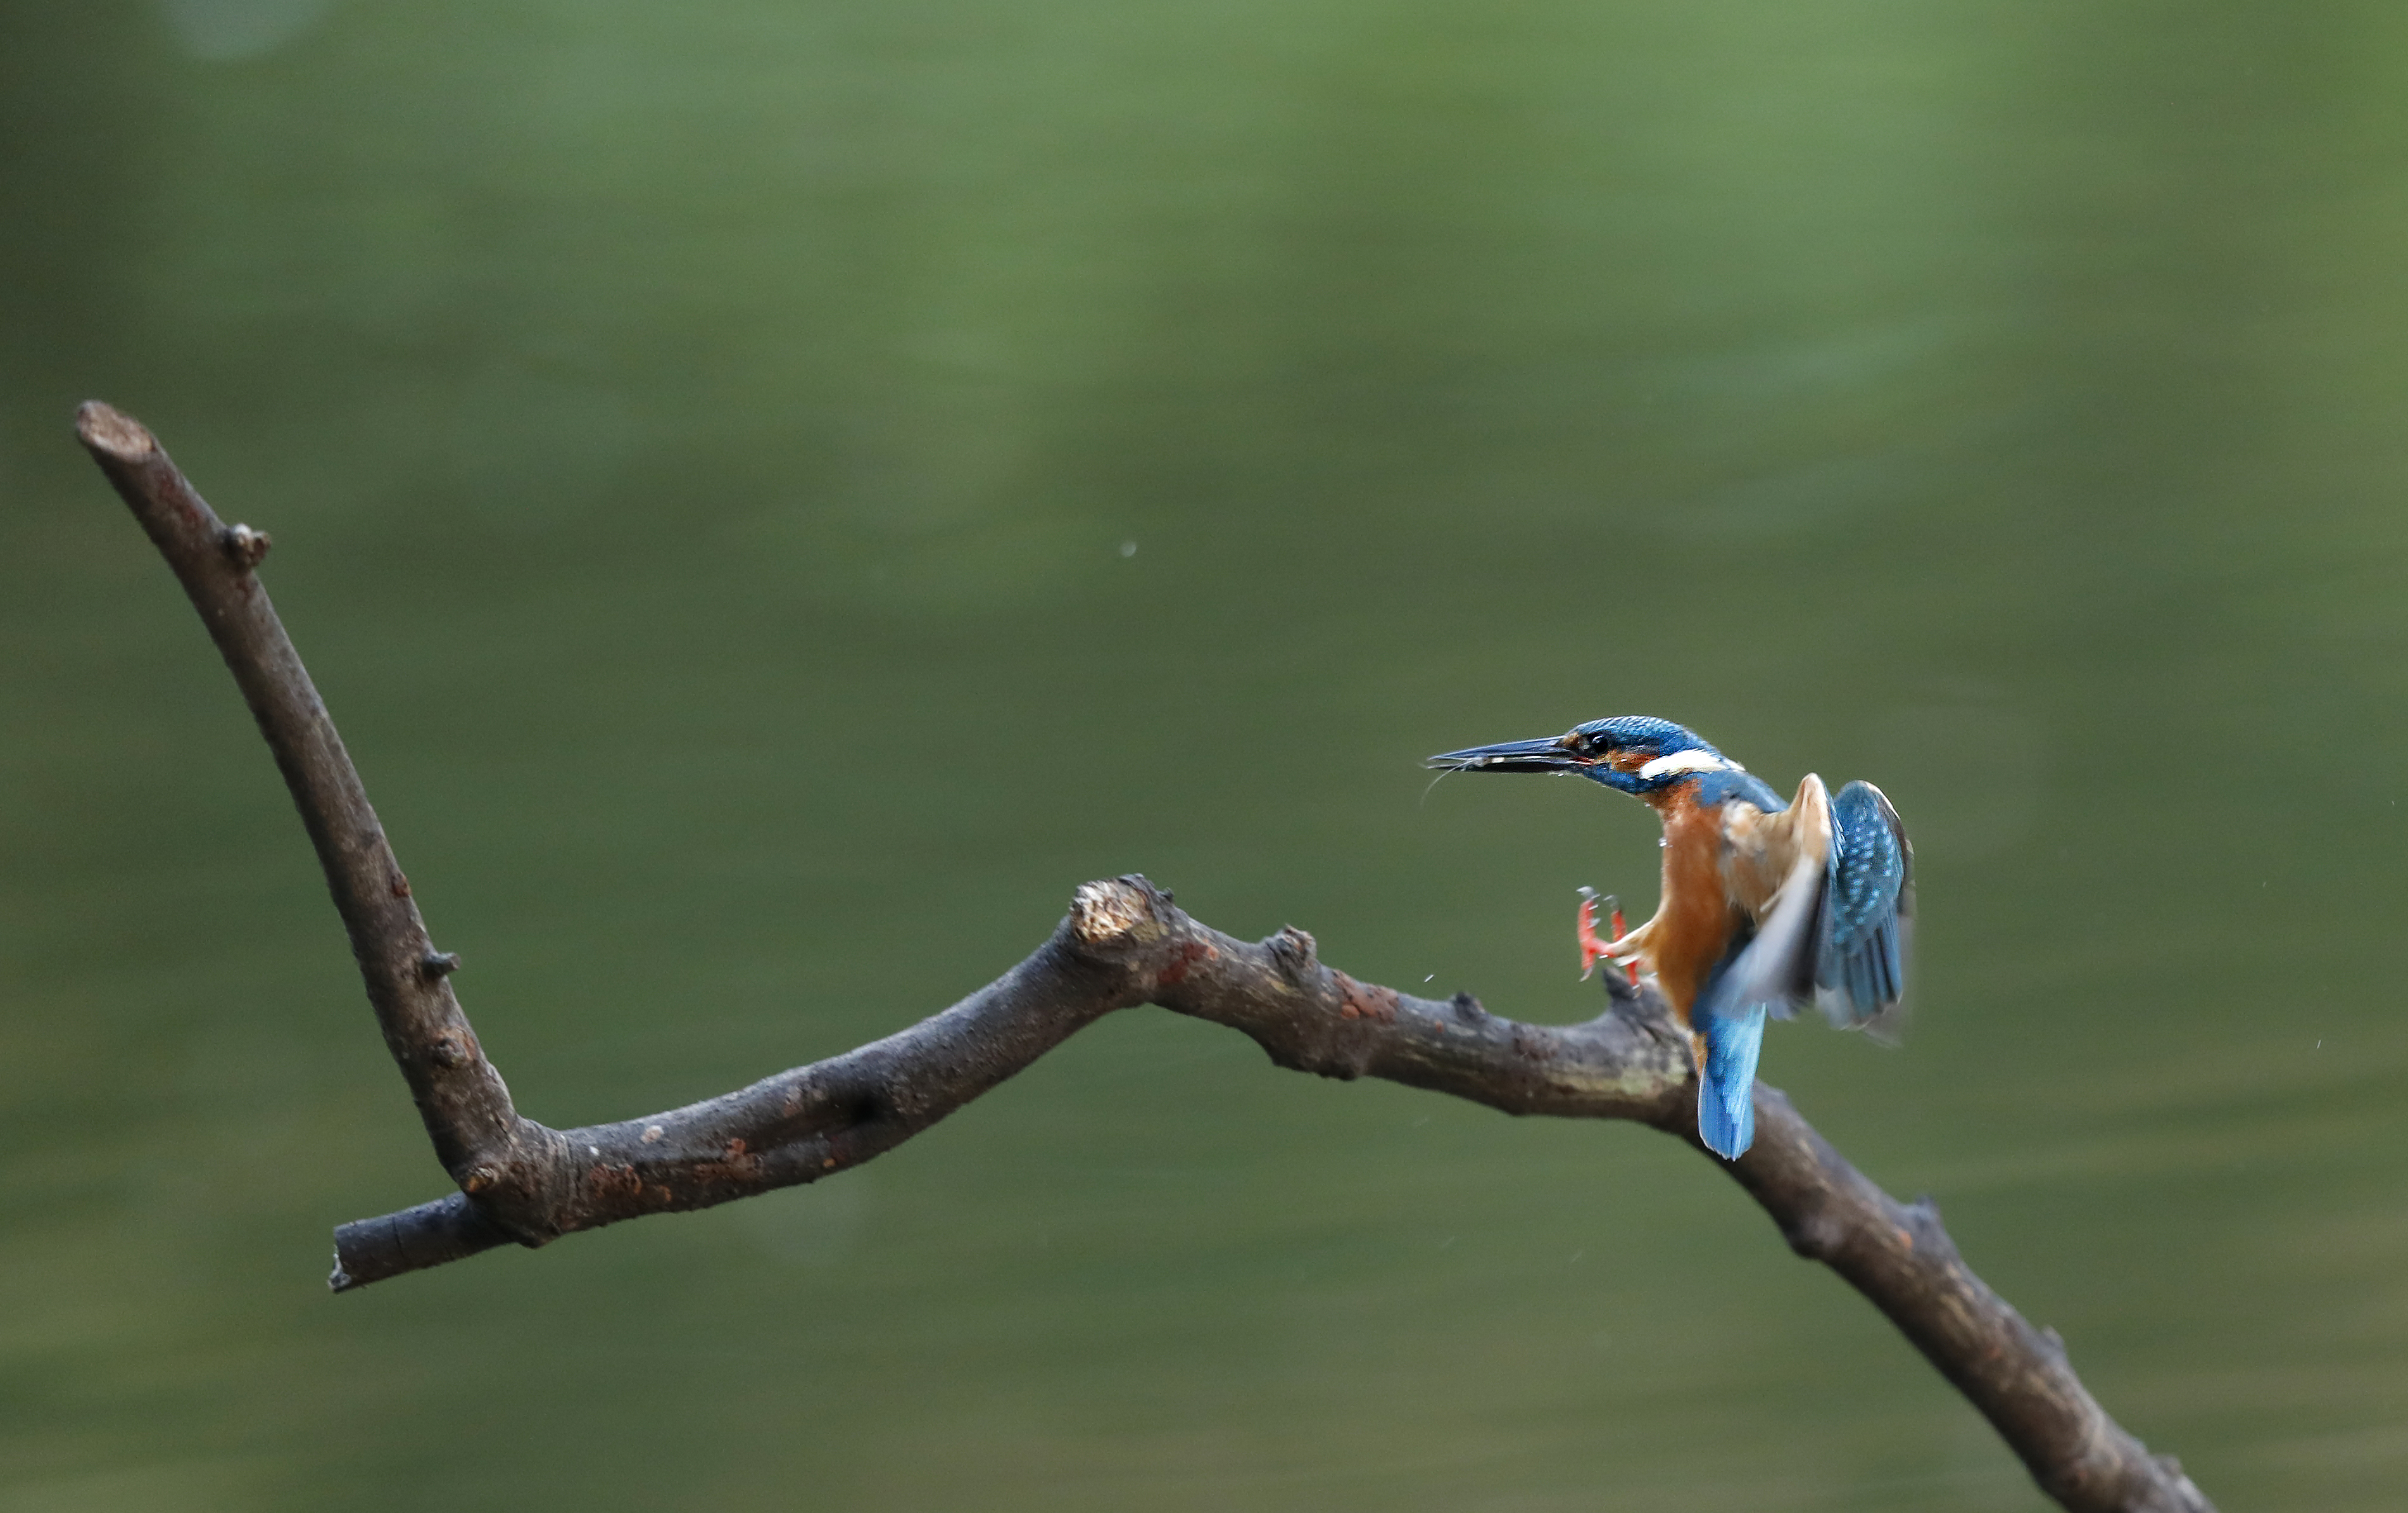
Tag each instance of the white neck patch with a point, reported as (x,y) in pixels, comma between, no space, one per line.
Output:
(1689,761)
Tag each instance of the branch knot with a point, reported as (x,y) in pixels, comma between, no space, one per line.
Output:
(245,547)
(1293,951)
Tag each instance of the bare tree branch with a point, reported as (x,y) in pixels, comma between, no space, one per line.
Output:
(1123,944)
(461,1097)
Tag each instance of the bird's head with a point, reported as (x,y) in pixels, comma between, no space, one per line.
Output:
(1634,753)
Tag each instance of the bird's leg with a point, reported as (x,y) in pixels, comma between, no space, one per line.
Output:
(1619,932)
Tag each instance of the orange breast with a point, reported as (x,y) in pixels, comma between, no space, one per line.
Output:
(1694,921)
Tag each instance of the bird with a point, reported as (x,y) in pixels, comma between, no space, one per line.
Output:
(1766,905)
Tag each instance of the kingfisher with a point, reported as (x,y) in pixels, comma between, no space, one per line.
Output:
(1765,906)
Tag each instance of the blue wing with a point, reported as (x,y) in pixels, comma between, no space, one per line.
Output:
(1868,915)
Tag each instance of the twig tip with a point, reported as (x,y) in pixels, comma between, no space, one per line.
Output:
(106,428)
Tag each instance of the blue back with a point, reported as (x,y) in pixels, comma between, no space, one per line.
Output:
(1714,788)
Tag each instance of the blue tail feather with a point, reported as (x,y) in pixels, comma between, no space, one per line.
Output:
(1726,1086)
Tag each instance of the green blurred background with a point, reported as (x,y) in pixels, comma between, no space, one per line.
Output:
(777,494)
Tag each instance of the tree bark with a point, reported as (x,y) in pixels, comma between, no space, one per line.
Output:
(1123,944)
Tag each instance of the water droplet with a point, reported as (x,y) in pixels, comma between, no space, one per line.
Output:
(1128,549)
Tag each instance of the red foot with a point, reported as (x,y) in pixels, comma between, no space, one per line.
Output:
(1591,948)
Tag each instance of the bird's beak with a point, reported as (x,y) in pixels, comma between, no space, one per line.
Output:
(1548,754)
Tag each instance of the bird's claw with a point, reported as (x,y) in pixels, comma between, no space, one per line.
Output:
(1593,947)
